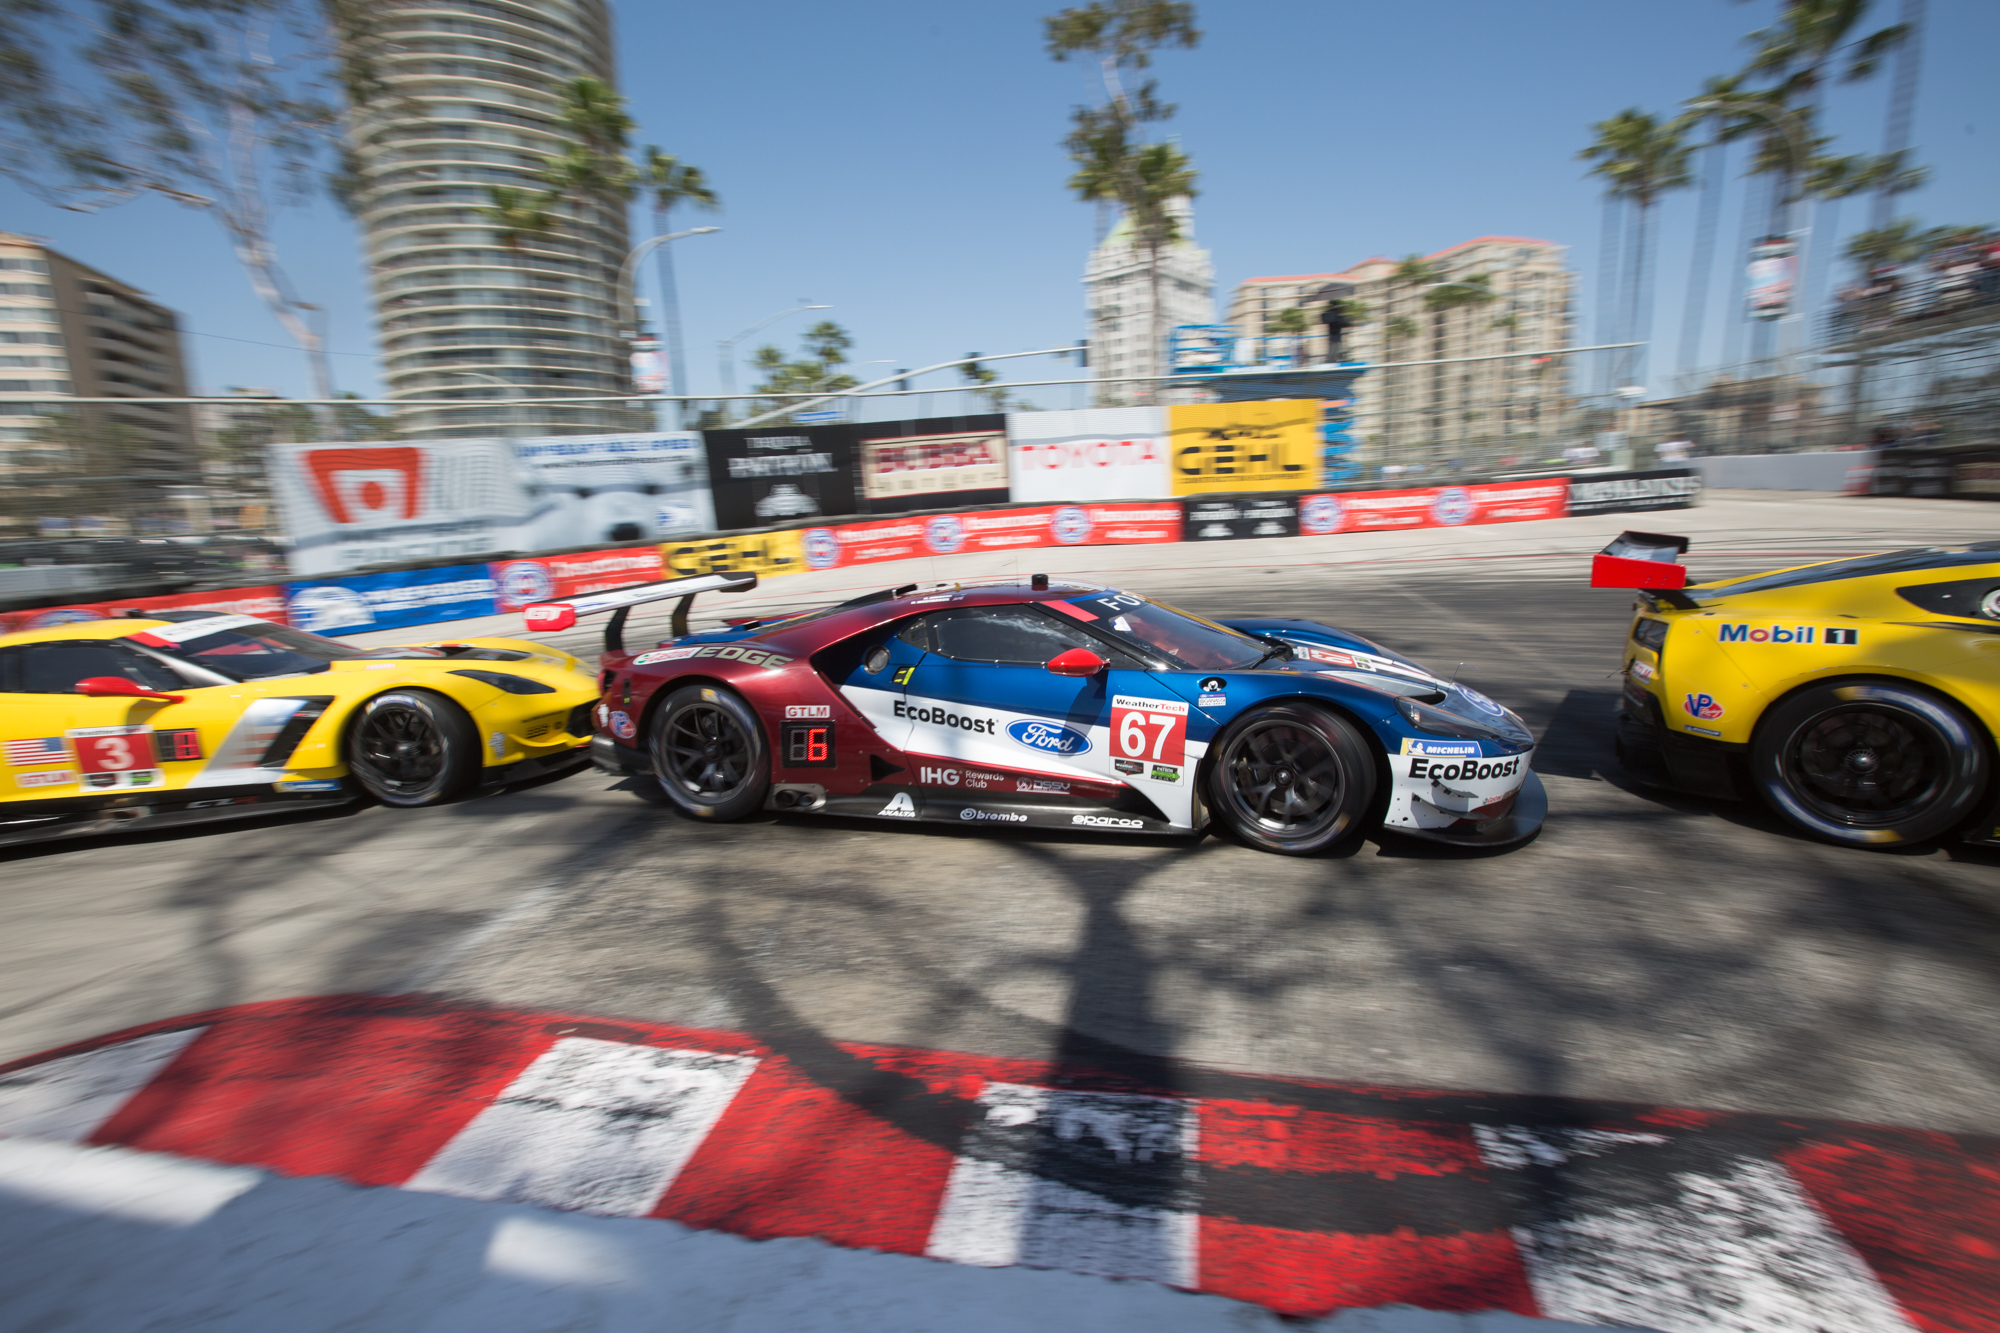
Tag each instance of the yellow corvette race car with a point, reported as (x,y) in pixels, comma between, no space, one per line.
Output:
(1859,698)
(178,717)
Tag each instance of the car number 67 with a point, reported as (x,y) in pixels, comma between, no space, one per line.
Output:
(1155,730)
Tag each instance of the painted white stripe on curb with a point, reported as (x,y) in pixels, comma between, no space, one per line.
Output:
(67,1099)
(1139,1221)
(593,1126)
(58,1180)
(1678,1234)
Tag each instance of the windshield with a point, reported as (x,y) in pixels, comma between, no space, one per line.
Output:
(1913,560)
(254,651)
(1158,630)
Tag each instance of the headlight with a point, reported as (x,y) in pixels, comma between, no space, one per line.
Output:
(1440,723)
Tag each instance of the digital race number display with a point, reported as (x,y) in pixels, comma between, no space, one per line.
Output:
(808,745)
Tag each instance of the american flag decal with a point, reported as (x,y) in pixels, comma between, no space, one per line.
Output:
(47,750)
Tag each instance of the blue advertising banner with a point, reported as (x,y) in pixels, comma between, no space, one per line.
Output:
(391,601)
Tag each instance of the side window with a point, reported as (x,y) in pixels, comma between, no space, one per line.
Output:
(11,664)
(1009,635)
(55,668)
(917,633)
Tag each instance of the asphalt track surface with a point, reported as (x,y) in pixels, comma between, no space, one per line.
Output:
(1645,948)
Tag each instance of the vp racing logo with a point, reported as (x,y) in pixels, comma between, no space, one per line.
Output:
(1048,737)
(1702,706)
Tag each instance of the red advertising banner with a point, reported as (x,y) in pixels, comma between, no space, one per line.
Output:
(1434,506)
(519,582)
(991,530)
(266,603)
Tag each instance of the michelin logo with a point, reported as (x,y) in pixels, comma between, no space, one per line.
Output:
(1460,749)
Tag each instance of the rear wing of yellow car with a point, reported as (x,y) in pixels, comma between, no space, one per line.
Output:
(563,613)
(1648,561)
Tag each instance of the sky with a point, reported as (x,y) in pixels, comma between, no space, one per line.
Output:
(900,162)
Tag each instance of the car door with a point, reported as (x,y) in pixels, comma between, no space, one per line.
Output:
(88,745)
(983,693)
(877,686)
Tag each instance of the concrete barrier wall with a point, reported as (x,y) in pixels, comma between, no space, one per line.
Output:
(1781,472)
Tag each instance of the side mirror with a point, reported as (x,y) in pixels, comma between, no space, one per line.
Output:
(1079,662)
(117,687)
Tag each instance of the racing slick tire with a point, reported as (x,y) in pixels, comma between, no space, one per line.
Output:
(1870,763)
(709,754)
(1292,779)
(413,747)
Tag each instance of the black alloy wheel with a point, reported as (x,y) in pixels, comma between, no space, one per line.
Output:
(709,754)
(1870,763)
(413,747)
(1291,778)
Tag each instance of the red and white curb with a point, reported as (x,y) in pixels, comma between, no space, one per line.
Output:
(1303,1197)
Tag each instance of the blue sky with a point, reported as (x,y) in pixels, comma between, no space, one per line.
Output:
(900,162)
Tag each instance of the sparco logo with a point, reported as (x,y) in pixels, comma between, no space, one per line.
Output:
(1106,821)
(942,718)
(1050,737)
(1467,770)
(1000,815)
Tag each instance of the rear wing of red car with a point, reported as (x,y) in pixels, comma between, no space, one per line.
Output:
(1649,561)
(620,601)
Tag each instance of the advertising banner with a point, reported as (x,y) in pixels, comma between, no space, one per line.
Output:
(990,530)
(1244,516)
(1770,277)
(1433,507)
(765,554)
(382,503)
(1224,448)
(612,488)
(518,582)
(266,603)
(780,473)
(1099,453)
(933,464)
(1634,492)
(391,601)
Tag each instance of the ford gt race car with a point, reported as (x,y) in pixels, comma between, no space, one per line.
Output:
(1859,698)
(1034,703)
(178,717)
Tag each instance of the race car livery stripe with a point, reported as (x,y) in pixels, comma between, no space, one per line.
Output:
(1305,1197)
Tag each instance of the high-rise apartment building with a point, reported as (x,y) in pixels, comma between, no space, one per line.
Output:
(68,331)
(1443,405)
(1123,330)
(472,95)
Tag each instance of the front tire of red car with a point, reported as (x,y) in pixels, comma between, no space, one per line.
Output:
(1872,763)
(709,754)
(1291,779)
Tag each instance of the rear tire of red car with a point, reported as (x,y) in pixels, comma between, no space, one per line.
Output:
(1291,779)
(1870,763)
(413,747)
(709,754)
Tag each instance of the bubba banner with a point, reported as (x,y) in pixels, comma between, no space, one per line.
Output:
(1434,507)
(1223,448)
(613,488)
(933,464)
(991,530)
(1099,453)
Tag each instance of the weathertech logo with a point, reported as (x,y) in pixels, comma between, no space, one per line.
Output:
(374,485)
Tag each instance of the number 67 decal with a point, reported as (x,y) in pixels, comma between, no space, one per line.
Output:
(1151,730)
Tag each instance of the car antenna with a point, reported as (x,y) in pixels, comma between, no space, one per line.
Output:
(1453,682)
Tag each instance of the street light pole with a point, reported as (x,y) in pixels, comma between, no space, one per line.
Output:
(726,349)
(628,305)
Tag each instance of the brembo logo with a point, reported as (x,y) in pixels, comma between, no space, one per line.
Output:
(375,485)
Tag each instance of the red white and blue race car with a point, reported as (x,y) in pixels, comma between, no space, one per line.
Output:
(1040,703)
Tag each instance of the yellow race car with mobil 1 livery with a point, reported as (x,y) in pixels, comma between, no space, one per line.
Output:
(1859,698)
(174,717)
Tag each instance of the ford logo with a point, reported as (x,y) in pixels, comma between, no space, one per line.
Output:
(1048,737)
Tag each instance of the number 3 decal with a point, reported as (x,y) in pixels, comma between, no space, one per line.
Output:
(1154,730)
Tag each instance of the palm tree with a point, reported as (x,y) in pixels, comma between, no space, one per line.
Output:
(519,215)
(671,182)
(1145,180)
(1640,158)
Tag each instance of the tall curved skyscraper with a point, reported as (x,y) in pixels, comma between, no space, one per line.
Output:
(471,95)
